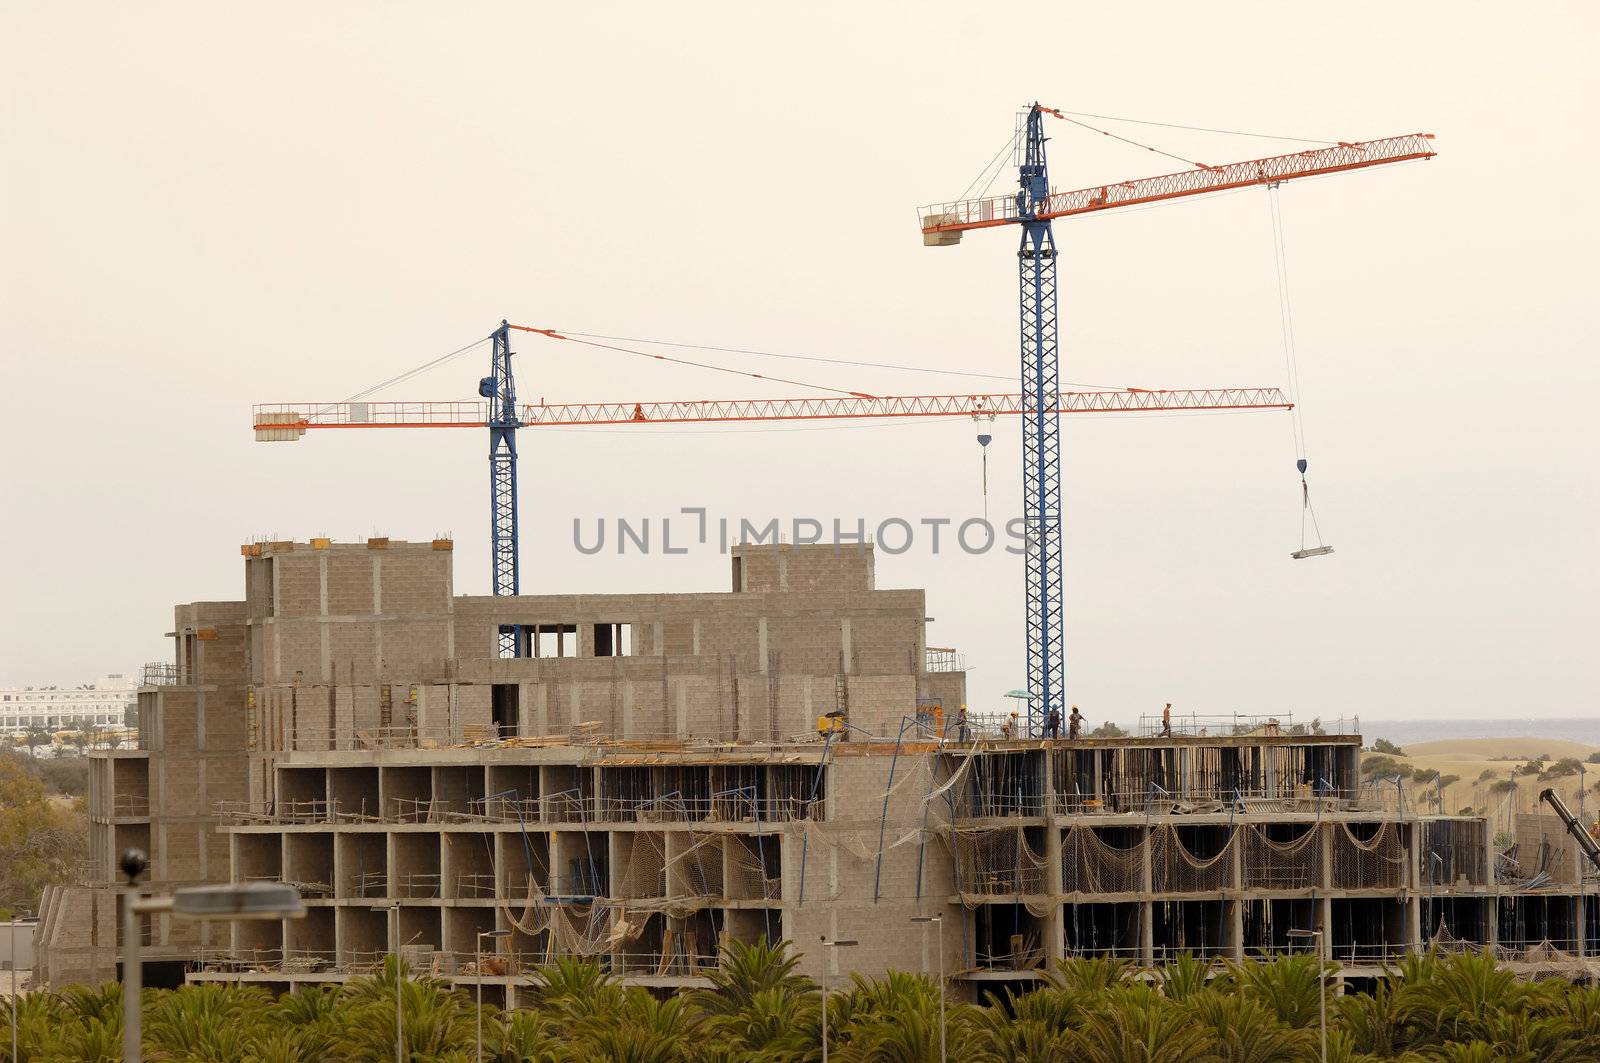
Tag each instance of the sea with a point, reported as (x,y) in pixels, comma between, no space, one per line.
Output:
(1400,732)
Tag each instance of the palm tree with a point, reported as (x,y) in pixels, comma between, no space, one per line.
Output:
(1246,1030)
(1463,996)
(748,970)
(1290,985)
(1134,1027)
(1184,976)
(1379,1022)
(435,1017)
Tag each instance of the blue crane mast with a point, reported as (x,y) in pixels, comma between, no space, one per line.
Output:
(1041,432)
(500,389)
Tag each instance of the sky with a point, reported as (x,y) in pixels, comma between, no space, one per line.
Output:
(210,206)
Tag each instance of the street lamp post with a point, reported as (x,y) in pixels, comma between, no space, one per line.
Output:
(826,944)
(938,921)
(1315,937)
(478,970)
(230,902)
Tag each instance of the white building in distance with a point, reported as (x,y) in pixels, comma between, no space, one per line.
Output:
(97,706)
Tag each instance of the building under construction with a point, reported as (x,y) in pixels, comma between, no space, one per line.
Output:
(654,775)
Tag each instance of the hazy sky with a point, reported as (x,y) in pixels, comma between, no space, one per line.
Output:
(210,205)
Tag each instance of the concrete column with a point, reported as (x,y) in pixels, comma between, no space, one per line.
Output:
(538,703)
(1236,930)
(1413,923)
(1054,925)
(844,647)
(1147,925)
(1325,924)
(1325,841)
(1577,917)
(761,644)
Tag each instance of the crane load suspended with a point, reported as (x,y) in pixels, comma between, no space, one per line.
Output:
(1033,207)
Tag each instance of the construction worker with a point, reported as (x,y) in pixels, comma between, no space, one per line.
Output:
(1166,721)
(963,732)
(1008,729)
(1052,724)
(1074,724)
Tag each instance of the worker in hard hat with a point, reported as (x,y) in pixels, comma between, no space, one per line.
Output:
(1074,724)
(963,731)
(1052,724)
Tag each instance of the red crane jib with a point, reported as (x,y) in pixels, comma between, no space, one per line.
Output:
(286,417)
(1002,210)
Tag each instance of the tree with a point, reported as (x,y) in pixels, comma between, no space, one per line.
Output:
(1383,745)
(1486,775)
(42,842)
(1562,768)
(1108,730)
(36,736)
(1378,766)
(1592,758)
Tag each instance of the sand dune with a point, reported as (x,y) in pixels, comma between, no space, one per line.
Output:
(1470,758)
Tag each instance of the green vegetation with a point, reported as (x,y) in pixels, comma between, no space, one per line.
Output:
(1562,768)
(1108,730)
(1461,1008)
(1380,766)
(44,840)
(1383,745)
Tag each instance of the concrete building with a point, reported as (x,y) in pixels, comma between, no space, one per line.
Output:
(655,775)
(97,706)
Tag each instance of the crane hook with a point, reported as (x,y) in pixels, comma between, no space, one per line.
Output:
(1306,511)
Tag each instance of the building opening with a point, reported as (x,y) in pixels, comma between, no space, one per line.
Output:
(613,640)
(503,708)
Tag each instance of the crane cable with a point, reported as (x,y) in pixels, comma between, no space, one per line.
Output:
(1291,363)
(829,361)
(575,338)
(417,371)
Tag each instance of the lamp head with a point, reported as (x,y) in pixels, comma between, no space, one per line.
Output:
(133,863)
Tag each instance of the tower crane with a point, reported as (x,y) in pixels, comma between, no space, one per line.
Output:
(1033,207)
(503,417)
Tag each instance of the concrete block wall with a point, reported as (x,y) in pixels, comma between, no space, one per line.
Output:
(351,612)
(786,567)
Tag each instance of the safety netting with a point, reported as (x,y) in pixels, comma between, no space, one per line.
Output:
(1293,863)
(996,862)
(1091,864)
(1377,861)
(1175,868)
